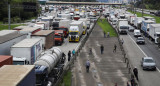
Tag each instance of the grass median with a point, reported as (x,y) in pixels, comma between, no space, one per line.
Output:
(140,15)
(66,79)
(5,27)
(107,27)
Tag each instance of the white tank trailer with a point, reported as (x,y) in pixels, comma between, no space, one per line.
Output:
(49,66)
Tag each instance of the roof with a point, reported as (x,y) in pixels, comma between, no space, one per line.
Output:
(155,25)
(5,32)
(21,27)
(27,42)
(43,33)
(9,36)
(148,58)
(4,57)
(76,22)
(148,17)
(11,75)
(30,29)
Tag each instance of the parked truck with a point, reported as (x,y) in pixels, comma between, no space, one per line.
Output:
(122,26)
(49,67)
(138,22)
(154,32)
(84,25)
(75,31)
(17,75)
(145,26)
(6,60)
(44,25)
(29,48)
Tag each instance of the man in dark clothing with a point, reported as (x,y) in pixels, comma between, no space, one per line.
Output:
(69,55)
(102,49)
(115,47)
(135,71)
(87,66)
(104,34)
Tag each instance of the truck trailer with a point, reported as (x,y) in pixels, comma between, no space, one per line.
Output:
(154,32)
(6,60)
(28,48)
(17,75)
(75,31)
(49,67)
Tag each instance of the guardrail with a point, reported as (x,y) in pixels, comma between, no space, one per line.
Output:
(73,58)
(126,59)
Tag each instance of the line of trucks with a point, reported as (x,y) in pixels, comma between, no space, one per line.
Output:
(121,19)
(29,49)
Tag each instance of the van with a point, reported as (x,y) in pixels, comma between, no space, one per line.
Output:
(137,33)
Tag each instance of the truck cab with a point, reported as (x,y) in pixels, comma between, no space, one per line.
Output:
(58,38)
(20,61)
(74,34)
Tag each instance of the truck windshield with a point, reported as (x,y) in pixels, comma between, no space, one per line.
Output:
(123,27)
(57,36)
(73,33)
(18,63)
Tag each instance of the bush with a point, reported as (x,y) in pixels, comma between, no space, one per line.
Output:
(17,19)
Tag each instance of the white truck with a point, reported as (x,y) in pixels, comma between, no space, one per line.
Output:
(131,19)
(122,26)
(75,31)
(65,23)
(84,25)
(27,48)
(43,24)
(154,31)
(138,22)
(48,19)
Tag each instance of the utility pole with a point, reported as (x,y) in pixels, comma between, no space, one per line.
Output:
(9,15)
(142,8)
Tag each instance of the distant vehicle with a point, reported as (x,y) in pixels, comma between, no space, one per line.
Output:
(137,33)
(154,32)
(157,13)
(122,26)
(131,29)
(148,63)
(140,40)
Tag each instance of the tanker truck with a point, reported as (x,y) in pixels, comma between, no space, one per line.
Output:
(49,67)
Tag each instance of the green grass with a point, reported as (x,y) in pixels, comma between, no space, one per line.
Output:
(140,15)
(3,27)
(107,27)
(67,79)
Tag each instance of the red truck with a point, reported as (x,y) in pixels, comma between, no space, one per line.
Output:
(6,60)
(58,37)
(65,30)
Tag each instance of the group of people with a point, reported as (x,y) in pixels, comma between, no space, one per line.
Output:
(69,54)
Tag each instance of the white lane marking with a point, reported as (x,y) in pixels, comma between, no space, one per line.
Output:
(138,47)
(158,69)
(142,51)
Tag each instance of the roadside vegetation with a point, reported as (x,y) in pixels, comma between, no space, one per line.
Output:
(5,27)
(103,23)
(66,79)
(140,15)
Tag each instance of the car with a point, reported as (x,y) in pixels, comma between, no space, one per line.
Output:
(140,40)
(157,13)
(131,29)
(148,63)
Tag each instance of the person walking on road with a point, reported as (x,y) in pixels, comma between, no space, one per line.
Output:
(108,35)
(87,66)
(122,41)
(73,52)
(135,71)
(104,34)
(115,47)
(69,55)
(102,49)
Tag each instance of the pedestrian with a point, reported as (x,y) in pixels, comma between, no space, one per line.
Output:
(122,41)
(87,66)
(73,52)
(128,84)
(115,47)
(135,71)
(69,55)
(102,49)
(108,34)
(63,57)
(115,84)
(104,34)
(132,81)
